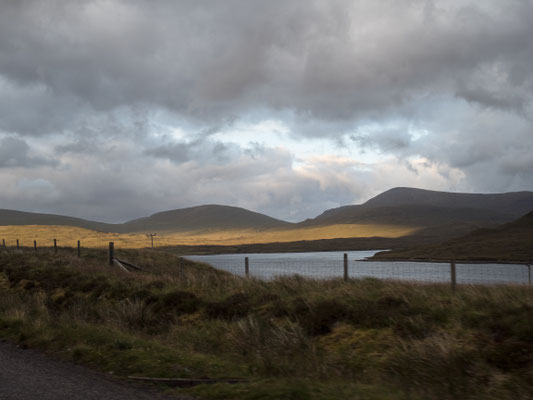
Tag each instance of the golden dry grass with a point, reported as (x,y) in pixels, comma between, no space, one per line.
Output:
(68,236)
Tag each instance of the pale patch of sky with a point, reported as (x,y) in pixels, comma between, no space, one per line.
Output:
(276,134)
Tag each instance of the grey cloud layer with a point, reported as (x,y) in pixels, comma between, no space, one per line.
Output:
(447,85)
(325,60)
(15,152)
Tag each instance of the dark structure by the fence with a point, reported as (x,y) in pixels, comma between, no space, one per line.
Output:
(453,274)
(55,245)
(111,253)
(35,245)
(151,236)
(79,249)
(345,267)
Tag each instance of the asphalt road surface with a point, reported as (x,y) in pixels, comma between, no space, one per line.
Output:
(29,374)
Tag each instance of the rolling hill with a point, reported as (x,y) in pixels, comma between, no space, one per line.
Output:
(409,214)
(512,241)
(439,214)
(512,203)
(16,218)
(420,214)
(207,217)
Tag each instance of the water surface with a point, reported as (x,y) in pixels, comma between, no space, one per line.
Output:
(330,265)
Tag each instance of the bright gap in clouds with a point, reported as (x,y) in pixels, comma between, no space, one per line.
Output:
(276,134)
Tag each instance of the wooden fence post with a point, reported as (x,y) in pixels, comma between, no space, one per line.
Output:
(4,243)
(453,274)
(79,249)
(529,273)
(246,267)
(55,245)
(18,247)
(111,253)
(345,267)
(35,245)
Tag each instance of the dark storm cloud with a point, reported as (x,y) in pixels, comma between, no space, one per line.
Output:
(15,152)
(324,60)
(386,141)
(446,87)
(202,149)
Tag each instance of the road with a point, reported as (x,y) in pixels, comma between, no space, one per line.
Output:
(29,374)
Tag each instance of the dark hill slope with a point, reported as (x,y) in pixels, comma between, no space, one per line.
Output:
(205,217)
(409,214)
(186,219)
(13,217)
(513,203)
(512,241)
(444,214)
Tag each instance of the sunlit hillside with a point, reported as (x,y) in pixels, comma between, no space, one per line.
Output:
(68,236)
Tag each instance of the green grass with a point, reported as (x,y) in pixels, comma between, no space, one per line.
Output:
(292,338)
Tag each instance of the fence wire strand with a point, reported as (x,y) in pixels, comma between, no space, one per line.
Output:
(332,267)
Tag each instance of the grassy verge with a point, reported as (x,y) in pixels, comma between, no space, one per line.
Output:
(292,338)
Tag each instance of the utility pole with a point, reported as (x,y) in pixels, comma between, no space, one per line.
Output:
(151,236)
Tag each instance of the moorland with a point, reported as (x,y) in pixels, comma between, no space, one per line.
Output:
(399,218)
(290,338)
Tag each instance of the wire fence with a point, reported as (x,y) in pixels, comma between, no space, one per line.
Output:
(334,265)
(465,273)
(331,265)
(17,246)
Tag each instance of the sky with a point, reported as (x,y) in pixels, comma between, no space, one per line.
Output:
(116,109)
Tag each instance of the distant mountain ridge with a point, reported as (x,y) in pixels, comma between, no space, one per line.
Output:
(439,213)
(14,217)
(513,203)
(412,214)
(431,208)
(204,217)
